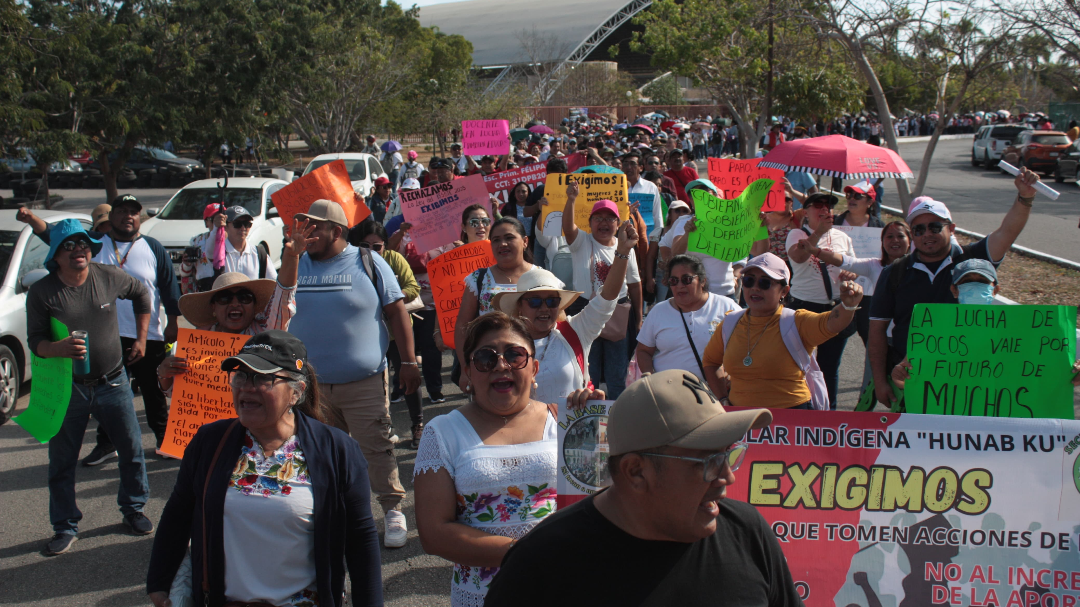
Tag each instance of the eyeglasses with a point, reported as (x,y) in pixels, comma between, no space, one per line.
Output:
(478,222)
(763,282)
(686,279)
(241,225)
(713,466)
(71,245)
(485,360)
(934,226)
(854,196)
(605,219)
(262,382)
(653,163)
(376,246)
(820,205)
(551,302)
(224,298)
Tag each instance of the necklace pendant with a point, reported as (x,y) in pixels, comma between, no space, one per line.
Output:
(747,361)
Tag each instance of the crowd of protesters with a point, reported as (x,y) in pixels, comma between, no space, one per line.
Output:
(273,507)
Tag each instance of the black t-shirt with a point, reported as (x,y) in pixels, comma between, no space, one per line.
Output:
(895,299)
(594,563)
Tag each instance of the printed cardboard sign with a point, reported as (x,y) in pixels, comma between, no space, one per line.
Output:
(593,187)
(499,183)
(484,137)
(583,451)
(435,211)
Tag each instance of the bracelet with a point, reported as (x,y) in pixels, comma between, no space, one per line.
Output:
(1025,201)
(845,306)
(625,256)
(412,364)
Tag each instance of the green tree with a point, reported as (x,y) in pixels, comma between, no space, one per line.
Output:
(664,90)
(812,94)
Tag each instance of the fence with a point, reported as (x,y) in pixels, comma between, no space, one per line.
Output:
(1061,114)
(553,114)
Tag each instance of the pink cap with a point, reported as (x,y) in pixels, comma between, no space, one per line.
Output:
(211,209)
(771,265)
(412,154)
(605,205)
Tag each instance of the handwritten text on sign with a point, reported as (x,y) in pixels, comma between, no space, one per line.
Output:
(328,182)
(734,176)
(593,187)
(481,137)
(500,183)
(726,229)
(991,361)
(435,211)
(447,273)
(202,394)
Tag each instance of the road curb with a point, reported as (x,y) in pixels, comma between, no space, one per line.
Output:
(900,140)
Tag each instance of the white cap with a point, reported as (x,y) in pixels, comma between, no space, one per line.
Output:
(410,184)
(925,204)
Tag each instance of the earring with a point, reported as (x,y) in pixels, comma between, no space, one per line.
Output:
(535,385)
(468,388)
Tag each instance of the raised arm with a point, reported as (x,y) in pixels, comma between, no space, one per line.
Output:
(569,227)
(844,312)
(297,240)
(1001,239)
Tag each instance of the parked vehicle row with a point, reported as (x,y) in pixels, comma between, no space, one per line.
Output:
(1047,152)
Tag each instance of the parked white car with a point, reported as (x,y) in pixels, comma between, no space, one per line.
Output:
(363,169)
(22,263)
(991,140)
(181,218)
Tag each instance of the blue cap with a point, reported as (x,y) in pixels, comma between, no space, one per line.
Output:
(703,183)
(61,231)
(977,266)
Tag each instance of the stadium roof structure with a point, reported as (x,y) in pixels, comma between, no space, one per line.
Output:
(579,27)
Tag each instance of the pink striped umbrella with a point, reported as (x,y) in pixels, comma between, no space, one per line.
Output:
(837,156)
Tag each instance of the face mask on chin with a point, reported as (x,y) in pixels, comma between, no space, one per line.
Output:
(977,293)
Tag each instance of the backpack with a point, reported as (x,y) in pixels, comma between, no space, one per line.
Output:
(562,266)
(807,361)
(387,162)
(410,170)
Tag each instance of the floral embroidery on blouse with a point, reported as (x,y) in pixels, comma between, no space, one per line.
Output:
(487,507)
(257,474)
(778,241)
(308,597)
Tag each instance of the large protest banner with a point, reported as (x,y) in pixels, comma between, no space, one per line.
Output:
(483,137)
(733,176)
(726,229)
(435,211)
(447,273)
(583,451)
(202,394)
(328,182)
(920,510)
(593,187)
(500,183)
(50,391)
(992,361)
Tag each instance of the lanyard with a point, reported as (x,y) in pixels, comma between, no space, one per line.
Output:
(122,260)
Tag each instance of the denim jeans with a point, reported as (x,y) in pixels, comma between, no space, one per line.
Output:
(111,404)
(608,361)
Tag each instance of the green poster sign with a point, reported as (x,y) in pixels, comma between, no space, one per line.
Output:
(50,392)
(991,361)
(726,229)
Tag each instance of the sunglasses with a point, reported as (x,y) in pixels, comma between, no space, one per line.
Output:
(764,283)
(934,226)
(262,382)
(240,225)
(378,246)
(477,222)
(485,360)
(71,245)
(678,211)
(535,302)
(853,196)
(714,465)
(225,298)
(686,279)
(820,205)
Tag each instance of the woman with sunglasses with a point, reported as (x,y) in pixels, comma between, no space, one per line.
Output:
(475,224)
(238,304)
(677,330)
(485,472)
(275,503)
(860,202)
(750,364)
(541,301)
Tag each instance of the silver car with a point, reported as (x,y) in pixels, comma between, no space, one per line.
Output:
(22,263)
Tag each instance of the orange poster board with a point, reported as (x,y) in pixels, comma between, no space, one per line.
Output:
(202,395)
(328,182)
(447,274)
(733,176)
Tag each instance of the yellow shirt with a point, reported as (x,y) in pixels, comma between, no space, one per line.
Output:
(774,380)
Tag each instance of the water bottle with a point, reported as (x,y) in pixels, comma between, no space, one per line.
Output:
(81,367)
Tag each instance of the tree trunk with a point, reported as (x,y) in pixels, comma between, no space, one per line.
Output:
(939,128)
(748,141)
(108,174)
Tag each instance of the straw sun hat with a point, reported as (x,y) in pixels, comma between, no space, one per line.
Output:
(198,309)
(535,280)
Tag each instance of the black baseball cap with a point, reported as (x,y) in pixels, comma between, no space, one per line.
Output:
(236,212)
(269,352)
(126,199)
(828,199)
(439,163)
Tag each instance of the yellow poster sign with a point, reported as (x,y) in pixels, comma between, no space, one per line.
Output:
(594,187)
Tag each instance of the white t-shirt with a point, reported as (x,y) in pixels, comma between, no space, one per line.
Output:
(550,236)
(664,331)
(592,261)
(647,187)
(559,372)
(721,279)
(245,262)
(140,263)
(806,281)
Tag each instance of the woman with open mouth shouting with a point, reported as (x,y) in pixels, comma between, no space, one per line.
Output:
(562,344)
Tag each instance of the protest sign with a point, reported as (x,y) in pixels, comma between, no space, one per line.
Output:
(328,182)
(865,241)
(500,183)
(593,187)
(992,361)
(447,273)
(916,510)
(645,207)
(726,229)
(50,391)
(483,137)
(733,176)
(202,394)
(435,211)
(583,451)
